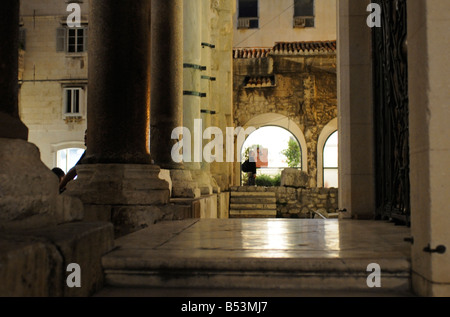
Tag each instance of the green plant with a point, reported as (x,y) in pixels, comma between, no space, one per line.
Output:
(292,153)
(268,181)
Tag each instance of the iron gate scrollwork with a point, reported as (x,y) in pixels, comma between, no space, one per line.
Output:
(390,72)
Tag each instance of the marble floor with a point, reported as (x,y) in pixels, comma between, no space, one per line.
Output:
(259,245)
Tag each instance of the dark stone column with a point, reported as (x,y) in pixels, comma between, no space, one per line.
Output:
(167,79)
(11,127)
(119,82)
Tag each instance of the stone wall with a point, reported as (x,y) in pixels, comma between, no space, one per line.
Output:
(299,202)
(303,89)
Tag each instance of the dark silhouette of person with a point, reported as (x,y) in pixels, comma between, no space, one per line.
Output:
(59,172)
(252,169)
(73,171)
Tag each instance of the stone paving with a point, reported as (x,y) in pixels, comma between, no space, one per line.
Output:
(300,256)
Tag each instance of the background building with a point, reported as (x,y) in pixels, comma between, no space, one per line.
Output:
(285,74)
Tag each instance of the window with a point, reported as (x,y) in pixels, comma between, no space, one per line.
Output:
(73,101)
(330,162)
(67,158)
(248,14)
(303,13)
(71,40)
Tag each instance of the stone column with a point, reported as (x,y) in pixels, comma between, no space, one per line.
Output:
(167,92)
(119,82)
(11,126)
(117,181)
(195,96)
(192,75)
(428,70)
(222,89)
(356,132)
(28,189)
(209,103)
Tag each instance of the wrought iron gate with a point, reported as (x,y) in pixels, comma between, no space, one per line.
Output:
(390,71)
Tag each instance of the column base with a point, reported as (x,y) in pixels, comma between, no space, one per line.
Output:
(29,191)
(119,184)
(130,196)
(206,182)
(182,184)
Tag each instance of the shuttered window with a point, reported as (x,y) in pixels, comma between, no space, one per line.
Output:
(72,40)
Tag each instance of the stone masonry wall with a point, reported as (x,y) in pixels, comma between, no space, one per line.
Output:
(303,89)
(301,202)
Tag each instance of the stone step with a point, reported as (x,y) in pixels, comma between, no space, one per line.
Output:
(249,213)
(260,200)
(133,269)
(253,206)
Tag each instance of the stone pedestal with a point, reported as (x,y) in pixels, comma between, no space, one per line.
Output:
(131,196)
(29,195)
(206,182)
(119,184)
(183,185)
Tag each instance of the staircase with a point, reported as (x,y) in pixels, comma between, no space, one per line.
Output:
(252,204)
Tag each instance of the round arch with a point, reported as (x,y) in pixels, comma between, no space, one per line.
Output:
(65,145)
(327,130)
(274,119)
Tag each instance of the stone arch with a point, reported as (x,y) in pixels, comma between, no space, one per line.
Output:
(65,145)
(327,130)
(275,119)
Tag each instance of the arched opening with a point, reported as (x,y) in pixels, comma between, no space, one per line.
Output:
(276,148)
(330,162)
(67,158)
(327,131)
(279,120)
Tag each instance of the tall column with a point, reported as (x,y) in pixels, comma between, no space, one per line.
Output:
(119,82)
(167,79)
(10,124)
(222,89)
(356,132)
(208,103)
(117,181)
(167,92)
(429,146)
(192,71)
(194,94)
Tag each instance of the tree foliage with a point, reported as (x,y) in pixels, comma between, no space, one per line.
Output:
(292,153)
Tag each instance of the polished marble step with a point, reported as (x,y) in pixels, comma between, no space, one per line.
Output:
(321,255)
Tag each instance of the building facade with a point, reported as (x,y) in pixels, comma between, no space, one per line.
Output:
(285,73)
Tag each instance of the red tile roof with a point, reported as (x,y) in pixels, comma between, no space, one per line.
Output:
(287,48)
